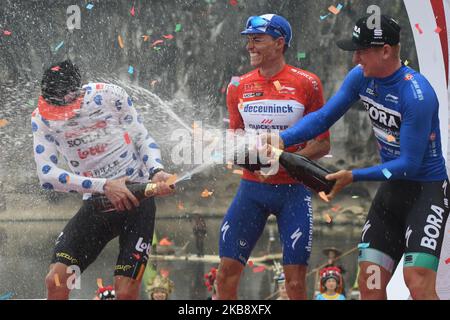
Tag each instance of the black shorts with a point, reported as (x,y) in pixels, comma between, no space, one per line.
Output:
(88,232)
(406,217)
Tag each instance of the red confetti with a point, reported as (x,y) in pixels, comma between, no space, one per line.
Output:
(437,30)
(447,261)
(418,28)
(137,256)
(7,33)
(233,2)
(168,36)
(223,90)
(127,138)
(250,263)
(57,68)
(132,12)
(157,42)
(259,269)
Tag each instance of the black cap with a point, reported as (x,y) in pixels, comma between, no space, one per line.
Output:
(59,80)
(364,37)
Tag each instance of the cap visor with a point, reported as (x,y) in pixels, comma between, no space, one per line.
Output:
(253,31)
(349,45)
(58,113)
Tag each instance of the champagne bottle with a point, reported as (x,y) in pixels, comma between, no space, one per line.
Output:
(309,172)
(139,190)
(249,163)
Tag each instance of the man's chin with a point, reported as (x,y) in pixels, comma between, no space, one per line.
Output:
(255,63)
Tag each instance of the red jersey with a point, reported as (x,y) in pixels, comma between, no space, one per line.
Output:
(275,103)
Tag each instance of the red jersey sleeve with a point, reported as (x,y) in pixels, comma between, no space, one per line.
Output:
(317,101)
(236,121)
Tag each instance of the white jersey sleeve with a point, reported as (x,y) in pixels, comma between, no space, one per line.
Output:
(147,147)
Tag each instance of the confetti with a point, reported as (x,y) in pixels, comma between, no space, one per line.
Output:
(119,38)
(157,42)
(241,104)
(168,36)
(250,263)
(223,89)
(363,245)
(153,82)
(336,208)
(418,28)
(57,282)
(323,196)
(324,17)
(130,70)
(59,46)
(390,138)
(156,48)
(233,2)
(3,122)
(238,172)
(355,197)
(132,11)
(339,7)
(447,261)
(206,193)
(301,55)
(178,27)
(328,156)
(57,68)
(277,85)
(328,218)
(145,38)
(333,10)
(7,33)
(387,173)
(99,282)
(437,30)
(406,62)
(89,6)
(259,269)
(165,242)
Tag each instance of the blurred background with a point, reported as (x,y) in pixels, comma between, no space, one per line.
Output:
(175,81)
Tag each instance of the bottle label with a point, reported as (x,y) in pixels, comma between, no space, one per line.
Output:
(150,190)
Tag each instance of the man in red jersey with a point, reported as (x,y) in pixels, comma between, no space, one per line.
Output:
(274,96)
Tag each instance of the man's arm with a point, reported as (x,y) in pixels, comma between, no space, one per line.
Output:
(414,139)
(147,147)
(316,148)
(316,123)
(236,121)
(50,175)
(320,145)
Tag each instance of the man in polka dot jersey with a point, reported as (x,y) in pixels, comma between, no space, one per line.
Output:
(102,139)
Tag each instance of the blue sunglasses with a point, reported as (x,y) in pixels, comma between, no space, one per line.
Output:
(259,22)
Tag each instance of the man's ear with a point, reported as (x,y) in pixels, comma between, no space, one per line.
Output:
(387,51)
(281,42)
